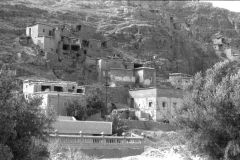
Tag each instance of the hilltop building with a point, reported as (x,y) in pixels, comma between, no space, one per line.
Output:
(55,94)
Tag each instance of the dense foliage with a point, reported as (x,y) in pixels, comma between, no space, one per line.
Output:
(94,103)
(21,122)
(118,125)
(211,112)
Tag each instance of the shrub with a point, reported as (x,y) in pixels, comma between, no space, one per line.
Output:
(211,112)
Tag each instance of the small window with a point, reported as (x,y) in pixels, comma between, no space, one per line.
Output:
(58,88)
(163,104)
(150,104)
(85,52)
(79,27)
(80,90)
(50,33)
(43,30)
(104,44)
(66,47)
(75,47)
(45,88)
(85,43)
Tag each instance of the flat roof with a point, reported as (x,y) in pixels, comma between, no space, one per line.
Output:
(178,74)
(86,127)
(143,68)
(41,24)
(55,93)
(48,81)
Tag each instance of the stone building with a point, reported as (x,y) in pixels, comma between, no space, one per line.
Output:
(118,72)
(55,94)
(156,103)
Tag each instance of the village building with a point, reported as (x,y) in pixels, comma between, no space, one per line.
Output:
(55,94)
(156,103)
(117,72)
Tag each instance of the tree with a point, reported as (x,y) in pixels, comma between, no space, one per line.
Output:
(211,112)
(118,125)
(21,121)
(94,103)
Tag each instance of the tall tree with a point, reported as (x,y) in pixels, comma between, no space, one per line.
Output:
(211,112)
(21,122)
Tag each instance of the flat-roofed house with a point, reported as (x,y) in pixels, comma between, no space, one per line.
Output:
(55,94)
(157,103)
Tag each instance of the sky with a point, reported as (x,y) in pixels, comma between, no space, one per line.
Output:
(230,5)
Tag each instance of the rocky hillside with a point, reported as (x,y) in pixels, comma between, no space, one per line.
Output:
(172,36)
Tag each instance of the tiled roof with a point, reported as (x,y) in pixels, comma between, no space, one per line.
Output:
(86,127)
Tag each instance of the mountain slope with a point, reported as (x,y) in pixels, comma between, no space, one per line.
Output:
(174,36)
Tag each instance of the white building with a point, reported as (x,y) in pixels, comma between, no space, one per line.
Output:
(55,94)
(157,103)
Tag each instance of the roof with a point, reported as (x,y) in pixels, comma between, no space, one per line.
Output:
(41,24)
(180,74)
(143,68)
(66,118)
(86,127)
(32,80)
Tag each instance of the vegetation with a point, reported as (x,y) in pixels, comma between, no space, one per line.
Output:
(211,112)
(21,123)
(94,104)
(118,125)
(57,152)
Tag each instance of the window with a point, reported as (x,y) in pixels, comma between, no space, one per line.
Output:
(43,30)
(163,104)
(79,27)
(85,43)
(150,104)
(85,52)
(80,90)
(50,33)
(104,44)
(66,47)
(58,88)
(75,47)
(45,88)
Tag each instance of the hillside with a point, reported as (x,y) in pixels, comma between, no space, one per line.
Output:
(173,36)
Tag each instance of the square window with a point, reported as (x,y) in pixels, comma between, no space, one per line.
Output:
(163,104)
(150,104)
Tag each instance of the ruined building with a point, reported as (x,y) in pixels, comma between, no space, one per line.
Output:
(223,48)
(117,72)
(65,45)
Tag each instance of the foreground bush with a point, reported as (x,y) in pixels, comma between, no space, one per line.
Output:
(211,112)
(21,122)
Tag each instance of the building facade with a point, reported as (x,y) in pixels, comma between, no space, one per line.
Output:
(156,103)
(54,94)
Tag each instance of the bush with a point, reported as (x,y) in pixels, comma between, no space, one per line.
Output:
(20,122)
(211,112)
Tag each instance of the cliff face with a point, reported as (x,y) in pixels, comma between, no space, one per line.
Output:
(172,36)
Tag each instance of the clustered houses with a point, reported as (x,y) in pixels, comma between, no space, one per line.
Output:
(221,46)
(150,100)
(65,45)
(91,137)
